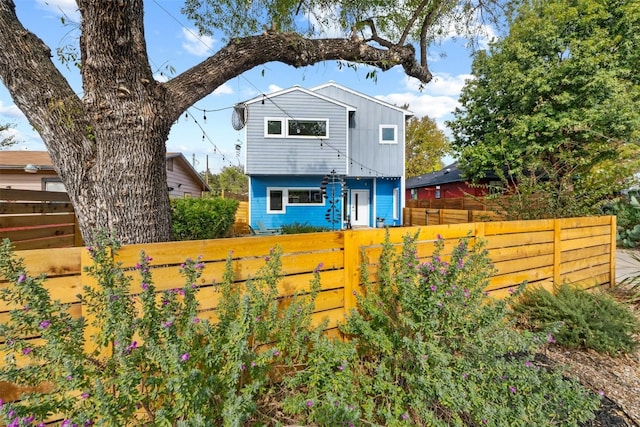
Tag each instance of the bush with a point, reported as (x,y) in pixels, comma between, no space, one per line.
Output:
(584,319)
(435,350)
(202,218)
(299,228)
(426,348)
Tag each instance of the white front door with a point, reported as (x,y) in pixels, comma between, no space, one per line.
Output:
(359,208)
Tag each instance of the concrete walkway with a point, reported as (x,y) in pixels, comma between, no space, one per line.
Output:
(626,265)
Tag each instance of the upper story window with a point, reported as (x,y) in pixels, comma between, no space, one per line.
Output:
(306,127)
(53,184)
(296,128)
(388,134)
(273,127)
(170,165)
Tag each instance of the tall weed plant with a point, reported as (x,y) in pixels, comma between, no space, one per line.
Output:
(425,347)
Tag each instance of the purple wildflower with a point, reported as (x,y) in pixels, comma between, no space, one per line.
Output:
(22,278)
(148,259)
(512,389)
(601,392)
(132,346)
(405,416)
(267,258)
(527,364)
(145,286)
(45,324)
(69,378)
(467,294)
(84,395)
(243,367)
(465,376)
(318,267)
(276,353)
(26,350)
(309,403)
(184,357)
(167,324)
(341,368)
(254,364)
(551,339)
(433,288)
(200,265)
(460,264)
(196,320)
(138,266)
(511,291)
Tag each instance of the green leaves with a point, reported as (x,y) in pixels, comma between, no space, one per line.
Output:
(543,99)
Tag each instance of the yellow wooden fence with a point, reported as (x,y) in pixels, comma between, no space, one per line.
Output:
(429,216)
(542,252)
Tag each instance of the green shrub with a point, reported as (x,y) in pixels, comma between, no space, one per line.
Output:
(299,228)
(202,218)
(427,348)
(435,350)
(586,319)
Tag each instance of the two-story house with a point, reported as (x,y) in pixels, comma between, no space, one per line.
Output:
(326,156)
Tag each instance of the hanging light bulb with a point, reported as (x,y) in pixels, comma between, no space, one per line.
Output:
(204,117)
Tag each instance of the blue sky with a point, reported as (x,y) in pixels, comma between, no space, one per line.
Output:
(173,42)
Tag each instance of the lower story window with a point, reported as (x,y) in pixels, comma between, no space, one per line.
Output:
(275,201)
(279,198)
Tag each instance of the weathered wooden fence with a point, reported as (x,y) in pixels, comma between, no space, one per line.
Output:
(38,219)
(428,216)
(542,252)
(467,203)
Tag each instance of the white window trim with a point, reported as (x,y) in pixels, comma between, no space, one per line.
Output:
(285,198)
(282,127)
(395,134)
(396,203)
(295,119)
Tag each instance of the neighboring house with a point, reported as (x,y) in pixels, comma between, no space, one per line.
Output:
(33,170)
(296,138)
(448,183)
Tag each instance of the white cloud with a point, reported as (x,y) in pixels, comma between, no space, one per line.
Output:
(11,111)
(274,88)
(436,107)
(442,84)
(161,77)
(198,45)
(225,89)
(67,8)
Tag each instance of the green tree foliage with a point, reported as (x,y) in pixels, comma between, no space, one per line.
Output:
(6,140)
(555,103)
(230,179)
(425,146)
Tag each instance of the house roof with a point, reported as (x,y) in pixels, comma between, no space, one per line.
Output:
(446,175)
(17,160)
(298,88)
(370,98)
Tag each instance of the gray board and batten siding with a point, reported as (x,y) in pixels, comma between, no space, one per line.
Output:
(364,135)
(290,155)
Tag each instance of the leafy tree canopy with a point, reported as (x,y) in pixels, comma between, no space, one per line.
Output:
(557,98)
(230,179)
(425,146)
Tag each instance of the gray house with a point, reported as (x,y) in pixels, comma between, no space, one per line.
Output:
(326,156)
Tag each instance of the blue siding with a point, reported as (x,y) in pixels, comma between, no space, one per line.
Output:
(384,201)
(304,214)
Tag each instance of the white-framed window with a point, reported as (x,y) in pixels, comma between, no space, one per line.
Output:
(388,134)
(279,198)
(307,128)
(414,194)
(275,127)
(437,192)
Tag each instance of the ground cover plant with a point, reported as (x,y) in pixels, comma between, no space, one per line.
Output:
(425,347)
(584,319)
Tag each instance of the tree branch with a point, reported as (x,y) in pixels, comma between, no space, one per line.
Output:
(246,53)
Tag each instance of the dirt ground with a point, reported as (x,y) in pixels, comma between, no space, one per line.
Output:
(616,379)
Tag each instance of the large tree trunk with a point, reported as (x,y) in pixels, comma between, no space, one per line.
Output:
(109,146)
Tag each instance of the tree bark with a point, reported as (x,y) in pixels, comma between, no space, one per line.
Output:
(109,147)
